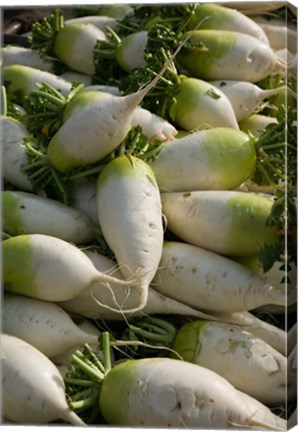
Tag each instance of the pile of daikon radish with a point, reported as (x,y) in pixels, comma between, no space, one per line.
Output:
(112,213)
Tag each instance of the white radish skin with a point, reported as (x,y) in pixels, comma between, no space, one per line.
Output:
(130,217)
(153,126)
(200,105)
(101,22)
(25,213)
(280,33)
(292,374)
(210,282)
(11,54)
(48,268)
(87,305)
(83,198)
(229,56)
(24,79)
(14,155)
(247,362)
(33,388)
(245,97)
(216,158)
(74,45)
(160,392)
(274,336)
(220,221)
(255,7)
(43,324)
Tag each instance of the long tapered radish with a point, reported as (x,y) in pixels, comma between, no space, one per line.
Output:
(14,155)
(21,80)
(130,217)
(48,268)
(245,97)
(219,17)
(33,390)
(210,282)
(160,392)
(217,158)
(228,55)
(247,362)
(153,126)
(231,223)
(25,213)
(43,324)
(94,132)
(86,304)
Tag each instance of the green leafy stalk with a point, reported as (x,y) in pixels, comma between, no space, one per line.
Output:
(43,33)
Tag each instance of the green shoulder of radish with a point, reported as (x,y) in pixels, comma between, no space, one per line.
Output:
(25,213)
(214,55)
(247,362)
(216,158)
(21,80)
(38,380)
(210,16)
(130,218)
(231,223)
(48,268)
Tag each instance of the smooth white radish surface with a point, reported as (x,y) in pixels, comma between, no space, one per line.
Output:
(120,298)
(83,198)
(216,158)
(153,126)
(40,396)
(292,337)
(247,362)
(229,56)
(71,76)
(232,223)
(245,97)
(25,213)
(74,45)
(208,281)
(48,268)
(281,33)
(43,324)
(11,54)
(130,217)
(14,155)
(160,392)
